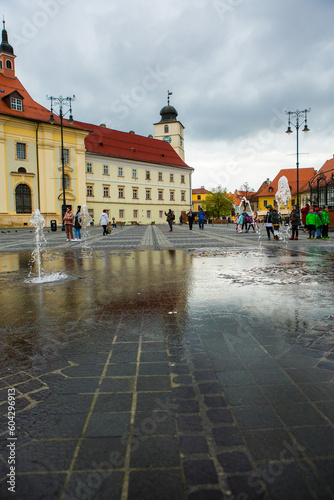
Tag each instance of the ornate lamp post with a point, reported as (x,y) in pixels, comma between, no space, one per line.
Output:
(61,101)
(297,114)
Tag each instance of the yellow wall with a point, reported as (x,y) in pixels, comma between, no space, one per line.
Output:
(196,202)
(270,201)
(43,176)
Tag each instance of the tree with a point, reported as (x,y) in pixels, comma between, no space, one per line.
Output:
(245,187)
(218,202)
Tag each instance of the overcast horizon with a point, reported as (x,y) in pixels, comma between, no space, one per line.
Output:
(234,67)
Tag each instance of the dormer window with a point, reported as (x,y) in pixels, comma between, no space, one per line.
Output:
(16,103)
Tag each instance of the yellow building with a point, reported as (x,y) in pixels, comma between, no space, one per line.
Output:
(135,178)
(198,196)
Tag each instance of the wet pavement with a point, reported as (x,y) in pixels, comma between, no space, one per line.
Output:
(184,365)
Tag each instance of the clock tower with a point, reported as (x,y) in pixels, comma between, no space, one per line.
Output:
(170,129)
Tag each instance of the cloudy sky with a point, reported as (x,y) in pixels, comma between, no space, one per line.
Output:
(234,67)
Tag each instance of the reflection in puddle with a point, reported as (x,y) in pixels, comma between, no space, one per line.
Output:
(167,296)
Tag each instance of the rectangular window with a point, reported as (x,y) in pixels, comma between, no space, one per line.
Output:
(135,214)
(161,214)
(134,173)
(106,192)
(105,169)
(148,214)
(121,214)
(198,196)
(21,151)
(183,196)
(120,171)
(148,194)
(66,155)
(265,203)
(16,104)
(89,168)
(120,192)
(160,176)
(171,177)
(182,179)
(148,175)
(135,193)
(160,195)
(91,212)
(171,195)
(89,190)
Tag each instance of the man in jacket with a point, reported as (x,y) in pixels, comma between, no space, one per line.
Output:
(170,217)
(104,221)
(295,222)
(268,222)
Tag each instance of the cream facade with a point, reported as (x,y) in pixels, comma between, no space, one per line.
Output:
(136,192)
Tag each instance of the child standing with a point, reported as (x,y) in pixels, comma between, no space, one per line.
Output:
(310,224)
(325,223)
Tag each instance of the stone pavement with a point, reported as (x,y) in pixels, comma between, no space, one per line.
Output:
(201,373)
(156,237)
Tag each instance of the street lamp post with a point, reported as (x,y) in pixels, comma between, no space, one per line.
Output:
(297,114)
(62,101)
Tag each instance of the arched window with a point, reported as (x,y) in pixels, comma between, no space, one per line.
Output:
(0,64)
(22,170)
(8,64)
(23,199)
(66,181)
(166,129)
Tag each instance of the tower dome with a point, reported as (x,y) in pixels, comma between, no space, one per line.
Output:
(168,114)
(5,46)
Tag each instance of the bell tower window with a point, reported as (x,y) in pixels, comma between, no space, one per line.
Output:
(8,64)
(166,129)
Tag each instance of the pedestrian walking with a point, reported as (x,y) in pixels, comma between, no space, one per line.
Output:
(170,218)
(268,222)
(325,223)
(256,221)
(304,211)
(190,216)
(201,216)
(295,222)
(68,223)
(77,224)
(104,221)
(244,221)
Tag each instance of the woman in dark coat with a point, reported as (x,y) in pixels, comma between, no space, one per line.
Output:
(295,222)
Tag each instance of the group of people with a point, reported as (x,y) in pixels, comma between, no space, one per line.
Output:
(71,222)
(190,216)
(316,221)
(245,221)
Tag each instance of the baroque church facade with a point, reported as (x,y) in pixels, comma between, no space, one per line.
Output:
(135,178)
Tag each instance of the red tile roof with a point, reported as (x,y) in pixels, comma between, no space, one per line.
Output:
(326,171)
(108,142)
(31,109)
(201,190)
(305,175)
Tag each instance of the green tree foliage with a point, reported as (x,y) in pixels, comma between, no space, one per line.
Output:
(218,203)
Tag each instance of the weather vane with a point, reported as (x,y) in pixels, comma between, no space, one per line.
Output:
(168,94)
